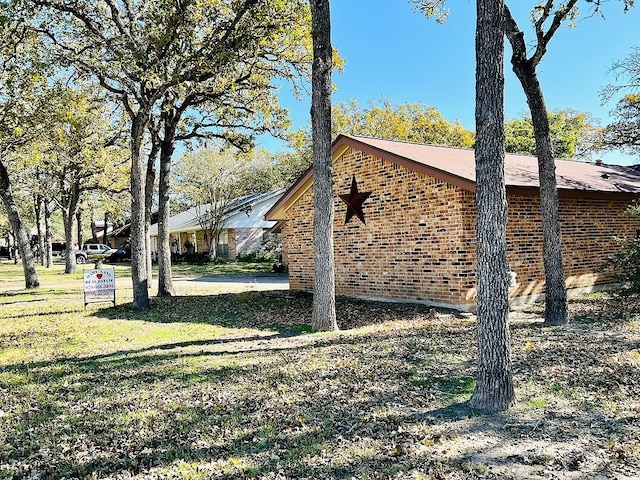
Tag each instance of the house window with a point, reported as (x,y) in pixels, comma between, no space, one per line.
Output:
(222,249)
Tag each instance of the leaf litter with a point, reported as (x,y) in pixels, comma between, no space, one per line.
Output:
(384,398)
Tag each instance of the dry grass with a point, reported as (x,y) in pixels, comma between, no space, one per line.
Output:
(234,386)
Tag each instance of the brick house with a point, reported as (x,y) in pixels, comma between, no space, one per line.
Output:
(243,231)
(418,242)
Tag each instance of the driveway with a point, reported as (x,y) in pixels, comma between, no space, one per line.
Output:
(239,282)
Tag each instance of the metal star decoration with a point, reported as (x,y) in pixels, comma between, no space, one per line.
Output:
(354,201)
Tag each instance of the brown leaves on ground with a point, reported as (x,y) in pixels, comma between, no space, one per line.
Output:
(381,399)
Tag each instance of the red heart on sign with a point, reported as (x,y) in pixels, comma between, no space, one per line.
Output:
(99,275)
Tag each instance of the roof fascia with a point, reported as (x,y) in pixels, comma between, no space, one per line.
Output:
(567,193)
(279,209)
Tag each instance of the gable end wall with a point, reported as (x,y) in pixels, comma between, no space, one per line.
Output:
(417,244)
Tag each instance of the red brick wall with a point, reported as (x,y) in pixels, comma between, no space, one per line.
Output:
(417,243)
(589,226)
(419,239)
(202,244)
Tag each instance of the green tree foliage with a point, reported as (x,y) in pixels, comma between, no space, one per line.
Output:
(411,122)
(624,265)
(146,53)
(571,134)
(210,180)
(22,107)
(294,161)
(624,132)
(81,155)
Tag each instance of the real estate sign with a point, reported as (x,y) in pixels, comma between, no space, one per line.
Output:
(100,285)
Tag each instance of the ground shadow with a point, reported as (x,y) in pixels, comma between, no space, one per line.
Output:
(288,312)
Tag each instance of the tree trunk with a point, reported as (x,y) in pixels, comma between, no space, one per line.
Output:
(105,239)
(48,234)
(165,282)
(80,228)
(150,180)
(494,388)
(139,270)
(214,233)
(20,232)
(94,233)
(69,252)
(37,203)
(324,306)
(555,284)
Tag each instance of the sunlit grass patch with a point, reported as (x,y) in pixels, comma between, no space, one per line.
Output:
(236,386)
(452,388)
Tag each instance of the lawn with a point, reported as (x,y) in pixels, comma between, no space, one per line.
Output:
(233,385)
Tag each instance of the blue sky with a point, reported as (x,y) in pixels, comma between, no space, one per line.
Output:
(394,53)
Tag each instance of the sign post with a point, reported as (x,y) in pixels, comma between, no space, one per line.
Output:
(99,285)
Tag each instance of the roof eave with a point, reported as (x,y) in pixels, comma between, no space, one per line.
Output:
(279,209)
(527,191)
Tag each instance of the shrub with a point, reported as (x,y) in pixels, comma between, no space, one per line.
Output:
(195,258)
(624,265)
(253,257)
(270,251)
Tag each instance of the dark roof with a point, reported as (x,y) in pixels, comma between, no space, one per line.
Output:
(457,166)
(520,170)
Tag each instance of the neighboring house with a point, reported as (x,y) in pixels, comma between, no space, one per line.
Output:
(418,203)
(120,236)
(243,230)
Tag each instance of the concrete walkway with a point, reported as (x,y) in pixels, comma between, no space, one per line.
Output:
(241,282)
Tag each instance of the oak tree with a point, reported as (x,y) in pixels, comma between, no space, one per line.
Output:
(410,122)
(547,17)
(233,99)
(21,107)
(572,134)
(81,155)
(494,379)
(324,302)
(209,182)
(494,388)
(142,50)
(624,132)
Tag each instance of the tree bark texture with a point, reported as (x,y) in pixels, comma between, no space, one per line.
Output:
(494,388)
(139,271)
(37,204)
(48,232)
(80,228)
(165,282)
(324,306)
(555,284)
(525,70)
(150,180)
(94,232)
(70,202)
(69,253)
(20,232)
(105,238)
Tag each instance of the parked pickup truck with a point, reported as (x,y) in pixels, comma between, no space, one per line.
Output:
(81,256)
(93,249)
(90,250)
